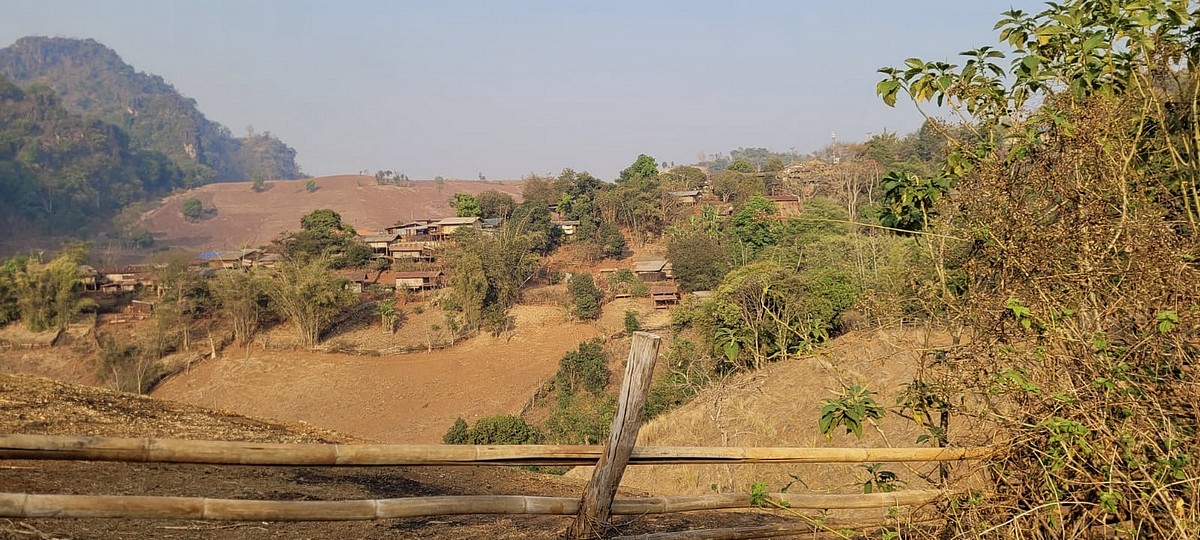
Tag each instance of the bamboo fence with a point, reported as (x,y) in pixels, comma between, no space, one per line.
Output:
(23,505)
(47,447)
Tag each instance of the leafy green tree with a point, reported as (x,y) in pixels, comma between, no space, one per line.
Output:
(310,185)
(322,219)
(754,227)
(643,168)
(909,201)
(611,241)
(259,184)
(587,297)
(698,261)
(49,297)
(741,165)
(532,221)
(584,369)
(465,205)
(307,295)
(489,271)
(193,209)
(495,204)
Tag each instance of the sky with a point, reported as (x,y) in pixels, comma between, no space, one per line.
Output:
(506,89)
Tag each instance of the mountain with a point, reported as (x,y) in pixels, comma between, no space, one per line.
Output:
(92,80)
(59,171)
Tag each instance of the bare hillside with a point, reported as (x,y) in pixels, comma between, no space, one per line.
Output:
(405,398)
(246,218)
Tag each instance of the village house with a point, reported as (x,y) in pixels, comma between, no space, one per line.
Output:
(269,260)
(447,226)
(356,280)
(412,251)
(236,259)
(413,231)
(379,242)
(691,196)
(664,296)
(568,226)
(650,270)
(788,205)
(89,277)
(415,281)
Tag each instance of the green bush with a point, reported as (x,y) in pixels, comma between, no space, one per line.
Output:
(764,312)
(631,322)
(581,419)
(458,433)
(587,297)
(585,368)
(499,429)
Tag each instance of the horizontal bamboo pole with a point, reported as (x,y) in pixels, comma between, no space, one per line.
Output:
(15,446)
(24,505)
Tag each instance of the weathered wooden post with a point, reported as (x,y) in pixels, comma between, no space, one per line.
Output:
(596,507)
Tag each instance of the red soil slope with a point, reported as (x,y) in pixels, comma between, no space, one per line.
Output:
(246,218)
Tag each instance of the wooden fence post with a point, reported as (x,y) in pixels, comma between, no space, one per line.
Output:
(596,507)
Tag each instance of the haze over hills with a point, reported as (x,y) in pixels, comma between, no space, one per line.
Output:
(93,80)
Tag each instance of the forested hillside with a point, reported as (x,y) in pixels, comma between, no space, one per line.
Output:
(92,80)
(60,170)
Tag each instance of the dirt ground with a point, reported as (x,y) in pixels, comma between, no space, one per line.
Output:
(35,405)
(246,218)
(403,398)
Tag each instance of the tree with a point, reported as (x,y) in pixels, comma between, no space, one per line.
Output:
(697,260)
(540,189)
(741,165)
(193,209)
(495,204)
(310,185)
(755,227)
(259,184)
(306,294)
(240,298)
(322,219)
(683,178)
(386,309)
(182,292)
(1075,190)
(49,296)
(611,241)
(464,204)
(643,168)
(584,369)
(587,297)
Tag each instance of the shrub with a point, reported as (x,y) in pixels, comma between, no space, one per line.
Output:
(631,322)
(458,433)
(587,296)
(581,419)
(192,209)
(499,429)
(584,368)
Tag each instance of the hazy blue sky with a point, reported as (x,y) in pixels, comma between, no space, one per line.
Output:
(508,88)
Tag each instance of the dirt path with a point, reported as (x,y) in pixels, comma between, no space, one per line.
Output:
(402,398)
